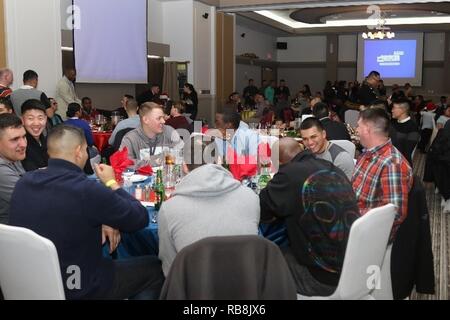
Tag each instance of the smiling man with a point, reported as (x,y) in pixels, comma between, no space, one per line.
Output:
(34,120)
(314,138)
(13,144)
(145,143)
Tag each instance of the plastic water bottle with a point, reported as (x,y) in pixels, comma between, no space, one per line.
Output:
(127,184)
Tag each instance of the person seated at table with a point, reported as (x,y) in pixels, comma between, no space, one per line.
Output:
(13,145)
(60,203)
(207,202)
(145,143)
(56,118)
(74,114)
(235,134)
(132,121)
(34,120)
(335,130)
(318,205)
(5,106)
(382,174)
(314,138)
(88,112)
(177,120)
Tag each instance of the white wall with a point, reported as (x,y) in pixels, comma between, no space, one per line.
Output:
(297,77)
(434,46)
(155,23)
(348,48)
(33,38)
(259,43)
(178,32)
(204,47)
(303,49)
(245,72)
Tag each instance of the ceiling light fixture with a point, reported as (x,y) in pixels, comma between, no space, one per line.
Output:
(351,23)
(381,32)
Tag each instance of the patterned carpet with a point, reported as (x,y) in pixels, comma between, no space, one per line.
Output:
(440,226)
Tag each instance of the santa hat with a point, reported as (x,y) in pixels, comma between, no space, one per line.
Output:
(431,106)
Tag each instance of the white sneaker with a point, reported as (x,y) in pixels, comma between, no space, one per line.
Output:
(446,208)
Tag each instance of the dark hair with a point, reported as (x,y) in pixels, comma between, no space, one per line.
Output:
(233,117)
(57,132)
(128,96)
(403,102)
(9,120)
(190,86)
(29,75)
(250,80)
(207,148)
(320,110)
(311,122)
(32,104)
(373,73)
(6,102)
(443,97)
(155,85)
(84,99)
(72,109)
(379,119)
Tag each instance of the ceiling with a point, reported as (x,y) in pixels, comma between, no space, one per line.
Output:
(314,16)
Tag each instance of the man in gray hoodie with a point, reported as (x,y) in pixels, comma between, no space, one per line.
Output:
(207,202)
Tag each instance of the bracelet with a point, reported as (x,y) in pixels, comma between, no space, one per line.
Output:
(110,183)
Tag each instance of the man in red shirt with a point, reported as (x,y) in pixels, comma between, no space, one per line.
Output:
(382,174)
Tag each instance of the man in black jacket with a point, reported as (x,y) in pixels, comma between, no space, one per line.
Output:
(317,202)
(335,130)
(62,205)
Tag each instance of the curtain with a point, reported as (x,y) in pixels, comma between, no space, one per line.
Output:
(170,80)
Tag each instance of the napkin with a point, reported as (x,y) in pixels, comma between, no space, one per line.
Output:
(241,166)
(119,161)
(146,170)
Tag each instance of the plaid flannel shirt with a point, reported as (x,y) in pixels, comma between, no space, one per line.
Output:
(382,175)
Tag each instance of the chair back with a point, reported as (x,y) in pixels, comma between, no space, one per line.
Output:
(230,268)
(351,117)
(364,255)
(29,266)
(118,138)
(346,145)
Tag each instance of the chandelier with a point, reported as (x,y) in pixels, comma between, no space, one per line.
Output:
(381,32)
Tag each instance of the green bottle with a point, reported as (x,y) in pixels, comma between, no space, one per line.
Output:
(264,177)
(159,189)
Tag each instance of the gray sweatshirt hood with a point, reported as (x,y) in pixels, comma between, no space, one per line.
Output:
(209,180)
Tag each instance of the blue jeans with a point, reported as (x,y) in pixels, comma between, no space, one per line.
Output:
(139,278)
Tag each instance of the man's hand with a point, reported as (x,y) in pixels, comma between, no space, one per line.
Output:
(104,172)
(113,235)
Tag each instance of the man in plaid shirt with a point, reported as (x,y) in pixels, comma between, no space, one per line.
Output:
(382,175)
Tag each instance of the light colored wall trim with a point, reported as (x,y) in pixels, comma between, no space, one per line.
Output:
(2,36)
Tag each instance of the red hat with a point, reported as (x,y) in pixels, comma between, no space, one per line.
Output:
(431,106)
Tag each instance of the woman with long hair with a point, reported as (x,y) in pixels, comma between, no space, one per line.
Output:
(190,99)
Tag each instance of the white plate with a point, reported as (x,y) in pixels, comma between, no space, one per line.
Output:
(147,204)
(138,178)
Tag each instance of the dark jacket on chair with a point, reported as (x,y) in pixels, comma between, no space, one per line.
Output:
(412,256)
(233,267)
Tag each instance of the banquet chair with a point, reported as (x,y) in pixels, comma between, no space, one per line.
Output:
(247,267)
(384,290)
(29,266)
(347,146)
(366,248)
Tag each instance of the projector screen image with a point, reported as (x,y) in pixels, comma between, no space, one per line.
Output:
(398,60)
(111,44)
